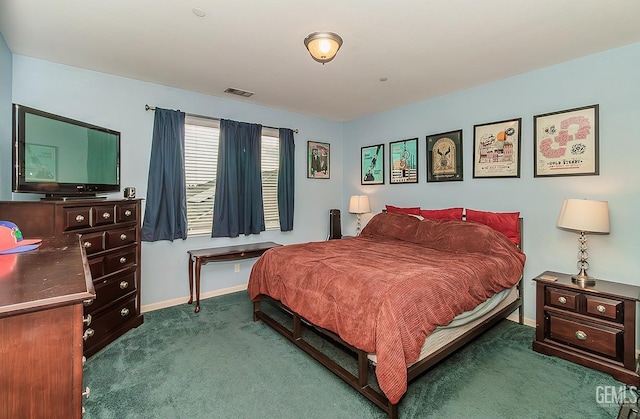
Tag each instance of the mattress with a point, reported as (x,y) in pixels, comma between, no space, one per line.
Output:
(462,323)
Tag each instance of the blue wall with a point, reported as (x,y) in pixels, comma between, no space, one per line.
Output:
(118,103)
(608,79)
(6,62)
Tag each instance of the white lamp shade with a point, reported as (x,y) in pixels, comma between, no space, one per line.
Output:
(323,46)
(584,215)
(359,204)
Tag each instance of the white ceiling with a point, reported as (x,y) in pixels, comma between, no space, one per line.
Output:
(425,48)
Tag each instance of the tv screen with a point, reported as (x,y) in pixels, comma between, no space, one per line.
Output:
(62,157)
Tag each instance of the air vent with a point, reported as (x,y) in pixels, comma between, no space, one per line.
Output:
(238,92)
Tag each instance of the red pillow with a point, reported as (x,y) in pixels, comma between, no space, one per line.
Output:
(410,211)
(442,214)
(505,222)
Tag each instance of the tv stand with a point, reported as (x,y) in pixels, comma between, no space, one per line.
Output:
(51,197)
(109,231)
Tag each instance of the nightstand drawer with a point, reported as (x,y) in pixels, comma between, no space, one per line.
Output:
(605,308)
(598,339)
(563,299)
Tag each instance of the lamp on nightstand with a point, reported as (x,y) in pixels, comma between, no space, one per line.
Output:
(585,217)
(359,204)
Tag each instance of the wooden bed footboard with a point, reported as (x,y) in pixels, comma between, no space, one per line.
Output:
(360,380)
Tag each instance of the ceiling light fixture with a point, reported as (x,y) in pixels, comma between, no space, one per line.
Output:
(323,46)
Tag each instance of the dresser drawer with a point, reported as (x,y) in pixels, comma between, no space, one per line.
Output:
(119,260)
(93,242)
(117,238)
(96,266)
(125,213)
(605,308)
(563,299)
(594,338)
(103,215)
(75,218)
(110,290)
(109,321)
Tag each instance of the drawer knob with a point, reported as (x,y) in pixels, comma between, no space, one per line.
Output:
(562,300)
(86,392)
(601,308)
(124,312)
(87,320)
(79,218)
(124,285)
(87,245)
(123,237)
(87,303)
(580,335)
(128,213)
(106,215)
(88,333)
(123,259)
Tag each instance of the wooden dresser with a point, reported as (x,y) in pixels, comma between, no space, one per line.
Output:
(110,234)
(41,304)
(594,326)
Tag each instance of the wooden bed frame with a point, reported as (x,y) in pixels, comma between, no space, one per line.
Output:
(360,381)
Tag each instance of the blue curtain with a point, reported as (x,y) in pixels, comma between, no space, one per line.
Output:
(286,179)
(237,208)
(165,216)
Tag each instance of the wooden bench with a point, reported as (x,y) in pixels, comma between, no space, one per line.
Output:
(221,254)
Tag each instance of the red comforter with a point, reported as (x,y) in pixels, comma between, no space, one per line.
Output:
(386,290)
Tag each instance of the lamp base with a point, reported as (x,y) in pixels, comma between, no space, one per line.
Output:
(582,279)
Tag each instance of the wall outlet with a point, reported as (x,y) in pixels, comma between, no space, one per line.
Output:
(236,267)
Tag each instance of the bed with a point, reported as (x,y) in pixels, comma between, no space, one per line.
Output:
(390,294)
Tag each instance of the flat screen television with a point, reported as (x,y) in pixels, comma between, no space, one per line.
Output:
(61,157)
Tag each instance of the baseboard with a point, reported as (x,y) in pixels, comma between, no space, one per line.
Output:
(183,300)
(514,317)
(203,296)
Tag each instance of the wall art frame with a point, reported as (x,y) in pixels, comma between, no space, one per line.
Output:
(444,157)
(403,161)
(318,160)
(566,143)
(496,149)
(372,165)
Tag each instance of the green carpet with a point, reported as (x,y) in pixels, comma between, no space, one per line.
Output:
(221,364)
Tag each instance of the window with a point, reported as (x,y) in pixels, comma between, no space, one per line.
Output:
(201,159)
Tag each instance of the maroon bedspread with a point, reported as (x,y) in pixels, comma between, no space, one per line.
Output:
(386,290)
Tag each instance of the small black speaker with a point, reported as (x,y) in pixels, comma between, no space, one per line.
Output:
(335,226)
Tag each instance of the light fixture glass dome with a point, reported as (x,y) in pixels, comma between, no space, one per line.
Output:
(323,46)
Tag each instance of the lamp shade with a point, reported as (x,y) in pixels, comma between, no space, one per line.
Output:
(359,204)
(323,46)
(584,215)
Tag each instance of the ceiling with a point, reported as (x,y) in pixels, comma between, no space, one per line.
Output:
(423,48)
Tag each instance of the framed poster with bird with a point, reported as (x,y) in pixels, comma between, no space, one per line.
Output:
(444,157)
(404,161)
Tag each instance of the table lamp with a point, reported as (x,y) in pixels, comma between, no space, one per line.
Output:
(359,204)
(584,216)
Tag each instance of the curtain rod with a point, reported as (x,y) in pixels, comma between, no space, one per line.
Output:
(153,108)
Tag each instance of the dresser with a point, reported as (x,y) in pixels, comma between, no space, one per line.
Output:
(41,330)
(593,326)
(109,231)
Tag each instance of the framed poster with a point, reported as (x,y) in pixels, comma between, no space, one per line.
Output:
(318,160)
(372,165)
(496,149)
(40,163)
(444,157)
(403,156)
(566,143)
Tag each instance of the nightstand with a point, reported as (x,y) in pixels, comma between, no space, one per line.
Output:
(593,326)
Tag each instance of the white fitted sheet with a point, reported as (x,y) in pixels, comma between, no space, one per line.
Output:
(463,322)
